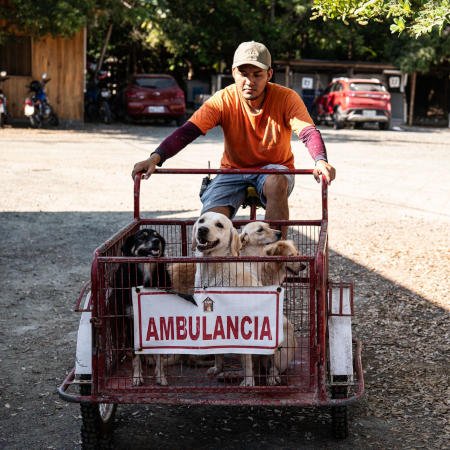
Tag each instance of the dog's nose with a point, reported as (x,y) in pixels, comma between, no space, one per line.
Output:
(202,232)
(155,243)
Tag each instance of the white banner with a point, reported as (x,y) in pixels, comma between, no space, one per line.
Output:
(225,320)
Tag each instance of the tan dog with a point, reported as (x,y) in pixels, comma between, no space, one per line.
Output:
(213,234)
(182,276)
(255,237)
(275,272)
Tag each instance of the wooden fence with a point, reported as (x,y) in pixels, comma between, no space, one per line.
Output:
(64,61)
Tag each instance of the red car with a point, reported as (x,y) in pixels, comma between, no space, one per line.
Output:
(354,100)
(154,96)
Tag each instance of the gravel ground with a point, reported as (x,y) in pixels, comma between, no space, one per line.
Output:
(63,192)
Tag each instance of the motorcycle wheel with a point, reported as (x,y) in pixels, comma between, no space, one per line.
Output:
(35,122)
(105,113)
(53,119)
(90,112)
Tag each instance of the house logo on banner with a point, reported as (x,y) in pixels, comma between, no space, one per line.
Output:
(208,305)
(226,320)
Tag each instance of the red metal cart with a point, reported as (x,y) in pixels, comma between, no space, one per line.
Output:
(326,369)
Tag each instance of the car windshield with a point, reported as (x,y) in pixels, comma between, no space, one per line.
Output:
(367,87)
(155,83)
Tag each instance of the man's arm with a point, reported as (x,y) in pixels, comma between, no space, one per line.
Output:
(313,141)
(169,147)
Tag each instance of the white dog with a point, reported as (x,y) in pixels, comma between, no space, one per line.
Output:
(213,234)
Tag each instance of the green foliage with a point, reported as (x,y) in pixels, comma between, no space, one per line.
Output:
(421,54)
(206,32)
(418,18)
(66,17)
(189,37)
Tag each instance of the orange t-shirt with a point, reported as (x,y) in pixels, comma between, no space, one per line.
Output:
(254,140)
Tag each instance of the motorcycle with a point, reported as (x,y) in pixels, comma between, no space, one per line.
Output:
(3,101)
(37,107)
(97,98)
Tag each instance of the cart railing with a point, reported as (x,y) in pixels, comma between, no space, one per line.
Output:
(138,177)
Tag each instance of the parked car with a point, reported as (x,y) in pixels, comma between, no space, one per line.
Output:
(354,100)
(154,96)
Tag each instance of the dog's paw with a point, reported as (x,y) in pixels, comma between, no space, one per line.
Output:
(162,381)
(273,380)
(138,379)
(248,381)
(213,371)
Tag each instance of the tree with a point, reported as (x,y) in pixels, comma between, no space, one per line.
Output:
(416,17)
(64,18)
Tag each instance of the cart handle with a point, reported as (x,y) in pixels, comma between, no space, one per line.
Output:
(138,177)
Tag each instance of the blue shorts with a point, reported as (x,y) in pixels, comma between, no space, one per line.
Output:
(230,189)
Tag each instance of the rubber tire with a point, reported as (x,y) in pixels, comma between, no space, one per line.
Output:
(35,123)
(95,432)
(2,120)
(337,124)
(339,414)
(384,125)
(53,119)
(105,113)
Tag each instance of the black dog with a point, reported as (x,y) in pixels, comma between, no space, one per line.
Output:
(150,244)
(147,243)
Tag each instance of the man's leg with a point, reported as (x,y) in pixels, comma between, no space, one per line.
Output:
(276,193)
(225,194)
(225,210)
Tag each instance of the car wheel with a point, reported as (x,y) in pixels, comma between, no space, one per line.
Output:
(384,125)
(338,122)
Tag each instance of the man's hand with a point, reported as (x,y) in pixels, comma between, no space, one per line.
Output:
(148,166)
(323,168)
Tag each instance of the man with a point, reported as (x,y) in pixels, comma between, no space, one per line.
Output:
(257,118)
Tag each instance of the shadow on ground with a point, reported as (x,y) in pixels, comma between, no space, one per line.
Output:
(45,258)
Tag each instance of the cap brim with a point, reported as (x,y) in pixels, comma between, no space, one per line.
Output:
(251,63)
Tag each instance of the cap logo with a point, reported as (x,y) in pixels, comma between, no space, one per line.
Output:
(251,53)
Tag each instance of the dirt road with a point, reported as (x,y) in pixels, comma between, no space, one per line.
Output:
(64,192)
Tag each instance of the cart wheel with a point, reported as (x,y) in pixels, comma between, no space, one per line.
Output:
(97,422)
(339,414)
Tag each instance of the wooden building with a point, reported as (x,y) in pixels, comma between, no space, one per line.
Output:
(26,58)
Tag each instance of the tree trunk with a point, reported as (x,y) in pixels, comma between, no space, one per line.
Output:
(412,95)
(105,44)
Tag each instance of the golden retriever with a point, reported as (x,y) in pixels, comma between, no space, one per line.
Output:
(255,236)
(275,272)
(213,234)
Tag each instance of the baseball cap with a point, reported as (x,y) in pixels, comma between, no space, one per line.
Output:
(253,53)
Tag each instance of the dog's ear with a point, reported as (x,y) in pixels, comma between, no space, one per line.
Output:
(128,245)
(235,244)
(244,239)
(271,249)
